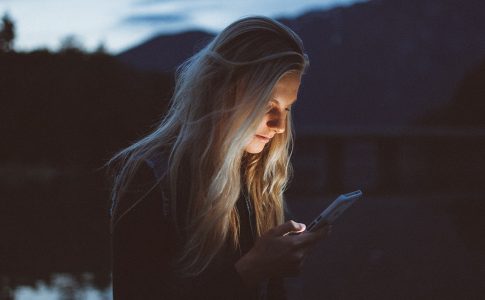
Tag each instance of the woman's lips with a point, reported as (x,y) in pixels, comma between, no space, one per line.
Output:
(263,138)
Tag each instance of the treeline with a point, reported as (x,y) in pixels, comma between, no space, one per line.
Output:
(74,109)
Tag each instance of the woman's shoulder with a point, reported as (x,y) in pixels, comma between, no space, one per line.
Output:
(150,170)
(144,190)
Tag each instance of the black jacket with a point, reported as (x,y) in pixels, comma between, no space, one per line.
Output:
(144,245)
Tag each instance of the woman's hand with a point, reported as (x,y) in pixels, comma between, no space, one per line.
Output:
(278,253)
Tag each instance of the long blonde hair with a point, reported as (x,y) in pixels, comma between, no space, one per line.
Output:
(221,95)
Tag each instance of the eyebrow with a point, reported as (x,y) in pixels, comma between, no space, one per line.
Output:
(276,100)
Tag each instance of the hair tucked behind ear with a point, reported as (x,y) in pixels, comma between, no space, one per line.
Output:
(220,98)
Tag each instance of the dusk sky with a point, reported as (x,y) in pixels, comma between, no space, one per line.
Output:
(120,24)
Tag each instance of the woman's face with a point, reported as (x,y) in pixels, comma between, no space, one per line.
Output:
(274,121)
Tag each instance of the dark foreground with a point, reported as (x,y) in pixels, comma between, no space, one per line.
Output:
(385,247)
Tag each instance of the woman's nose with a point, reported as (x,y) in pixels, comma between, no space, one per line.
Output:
(277,123)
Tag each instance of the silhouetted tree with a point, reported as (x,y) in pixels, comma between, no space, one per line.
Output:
(7,34)
(71,43)
(101,49)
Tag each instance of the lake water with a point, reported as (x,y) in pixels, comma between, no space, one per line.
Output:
(385,247)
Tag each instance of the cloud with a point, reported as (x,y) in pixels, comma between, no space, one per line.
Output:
(153,19)
(148,2)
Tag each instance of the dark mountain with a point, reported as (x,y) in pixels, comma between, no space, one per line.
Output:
(165,53)
(374,63)
(467,109)
(387,62)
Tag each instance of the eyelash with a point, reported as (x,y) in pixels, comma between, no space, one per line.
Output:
(270,107)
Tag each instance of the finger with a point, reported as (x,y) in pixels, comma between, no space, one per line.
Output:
(309,238)
(324,231)
(285,228)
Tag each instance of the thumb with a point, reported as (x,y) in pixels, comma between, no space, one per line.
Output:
(283,229)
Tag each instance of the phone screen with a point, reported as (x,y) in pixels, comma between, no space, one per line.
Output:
(334,210)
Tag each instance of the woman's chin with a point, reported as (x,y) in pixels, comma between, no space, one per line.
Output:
(254,148)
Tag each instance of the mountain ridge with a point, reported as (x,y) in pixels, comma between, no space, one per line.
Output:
(378,63)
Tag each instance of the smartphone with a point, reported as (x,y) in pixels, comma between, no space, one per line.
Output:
(334,210)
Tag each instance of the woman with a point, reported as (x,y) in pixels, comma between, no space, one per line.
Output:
(198,203)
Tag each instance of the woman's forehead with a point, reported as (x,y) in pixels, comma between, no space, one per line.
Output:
(286,89)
